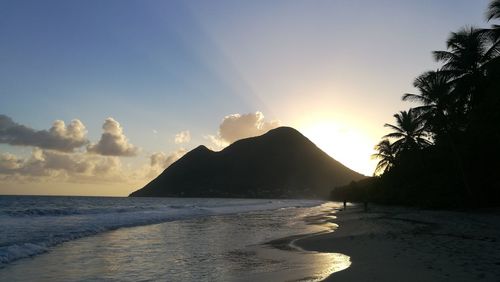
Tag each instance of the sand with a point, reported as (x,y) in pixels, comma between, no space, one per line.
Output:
(407,244)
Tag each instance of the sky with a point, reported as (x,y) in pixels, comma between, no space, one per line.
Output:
(98,97)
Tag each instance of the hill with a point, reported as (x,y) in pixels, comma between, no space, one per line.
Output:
(279,164)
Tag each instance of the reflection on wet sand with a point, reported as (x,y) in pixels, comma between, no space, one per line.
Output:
(310,265)
(212,248)
(299,265)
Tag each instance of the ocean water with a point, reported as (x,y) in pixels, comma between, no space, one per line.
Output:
(168,239)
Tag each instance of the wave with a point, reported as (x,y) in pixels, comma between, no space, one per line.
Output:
(46,228)
(69,211)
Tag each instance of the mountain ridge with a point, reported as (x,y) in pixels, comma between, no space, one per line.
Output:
(281,163)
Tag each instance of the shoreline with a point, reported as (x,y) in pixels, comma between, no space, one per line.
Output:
(222,247)
(406,244)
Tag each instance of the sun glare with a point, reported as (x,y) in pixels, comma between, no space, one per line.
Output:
(343,143)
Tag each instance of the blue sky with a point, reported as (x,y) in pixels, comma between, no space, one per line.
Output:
(335,70)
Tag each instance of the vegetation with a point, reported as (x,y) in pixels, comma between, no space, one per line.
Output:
(445,151)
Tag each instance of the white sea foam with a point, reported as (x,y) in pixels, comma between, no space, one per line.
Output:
(32,225)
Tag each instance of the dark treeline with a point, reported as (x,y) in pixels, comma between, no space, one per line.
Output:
(445,151)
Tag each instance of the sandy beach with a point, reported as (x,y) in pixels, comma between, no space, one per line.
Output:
(408,244)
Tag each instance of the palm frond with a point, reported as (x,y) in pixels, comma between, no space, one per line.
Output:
(443,56)
(394,135)
(397,129)
(414,98)
(493,11)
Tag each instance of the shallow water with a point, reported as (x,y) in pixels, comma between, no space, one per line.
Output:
(224,242)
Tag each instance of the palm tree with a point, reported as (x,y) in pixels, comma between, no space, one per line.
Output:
(466,60)
(466,52)
(493,12)
(436,99)
(409,132)
(439,110)
(386,155)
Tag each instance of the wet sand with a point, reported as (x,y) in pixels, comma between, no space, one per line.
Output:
(406,244)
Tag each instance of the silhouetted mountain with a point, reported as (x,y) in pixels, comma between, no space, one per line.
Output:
(279,164)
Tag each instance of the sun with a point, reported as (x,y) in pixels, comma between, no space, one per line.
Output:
(343,143)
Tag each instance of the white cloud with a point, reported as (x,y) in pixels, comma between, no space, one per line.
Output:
(43,165)
(238,126)
(161,160)
(9,162)
(113,141)
(182,137)
(215,142)
(60,137)
(158,162)
(55,157)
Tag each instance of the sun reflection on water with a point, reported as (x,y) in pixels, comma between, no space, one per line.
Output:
(324,264)
(215,248)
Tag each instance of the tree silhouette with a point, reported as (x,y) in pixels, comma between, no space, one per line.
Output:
(466,60)
(409,132)
(493,12)
(435,95)
(386,155)
(459,111)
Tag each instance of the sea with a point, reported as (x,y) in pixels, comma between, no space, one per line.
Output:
(59,238)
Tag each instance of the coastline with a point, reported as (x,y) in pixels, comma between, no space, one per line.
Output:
(408,244)
(175,240)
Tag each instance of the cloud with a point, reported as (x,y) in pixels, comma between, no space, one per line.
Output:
(43,165)
(113,142)
(60,137)
(99,164)
(237,126)
(9,162)
(161,161)
(182,137)
(158,162)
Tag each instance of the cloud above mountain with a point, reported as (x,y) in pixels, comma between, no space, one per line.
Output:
(238,126)
(60,137)
(182,137)
(63,153)
(161,160)
(113,141)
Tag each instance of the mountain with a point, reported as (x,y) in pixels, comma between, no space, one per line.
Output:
(282,163)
